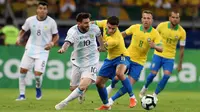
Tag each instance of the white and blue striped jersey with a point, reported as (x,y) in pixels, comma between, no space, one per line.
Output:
(41,34)
(85,51)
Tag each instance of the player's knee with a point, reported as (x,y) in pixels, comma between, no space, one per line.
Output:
(38,73)
(23,70)
(99,85)
(166,72)
(72,88)
(82,87)
(120,76)
(154,72)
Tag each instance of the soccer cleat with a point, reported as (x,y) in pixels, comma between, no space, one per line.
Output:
(21,98)
(110,101)
(133,102)
(155,97)
(109,89)
(60,105)
(81,98)
(143,92)
(103,107)
(38,93)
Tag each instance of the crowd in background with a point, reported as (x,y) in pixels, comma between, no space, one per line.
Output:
(127,10)
(124,9)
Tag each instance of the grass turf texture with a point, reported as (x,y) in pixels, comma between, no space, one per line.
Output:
(168,101)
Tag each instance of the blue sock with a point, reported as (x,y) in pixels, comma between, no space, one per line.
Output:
(162,83)
(103,95)
(114,82)
(119,93)
(126,83)
(149,79)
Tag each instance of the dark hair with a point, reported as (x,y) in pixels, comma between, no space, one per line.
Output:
(82,15)
(43,3)
(9,21)
(174,11)
(147,12)
(113,20)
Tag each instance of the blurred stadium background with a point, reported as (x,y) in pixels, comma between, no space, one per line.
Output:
(14,12)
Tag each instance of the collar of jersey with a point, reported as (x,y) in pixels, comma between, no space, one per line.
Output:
(142,29)
(175,28)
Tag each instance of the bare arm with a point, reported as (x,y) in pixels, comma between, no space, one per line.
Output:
(156,47)
(181,58)
(124,34)
(53,42)
(20,36)
(101,47)
(65,46)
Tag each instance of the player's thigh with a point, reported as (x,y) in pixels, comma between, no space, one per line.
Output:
(168,65)
(107,69)
(90,72)
(40,65)
(122,64)
(156,63)
(135,70)
(27,62)
(75,76)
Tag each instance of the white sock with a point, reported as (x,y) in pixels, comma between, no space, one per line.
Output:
(133,96)
(38,81)
(22,84)
(76,93)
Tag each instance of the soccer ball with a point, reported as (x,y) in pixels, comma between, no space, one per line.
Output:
(148,102)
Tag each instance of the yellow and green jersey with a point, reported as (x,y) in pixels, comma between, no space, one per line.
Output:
(116,46)
(170,38)
(139,46)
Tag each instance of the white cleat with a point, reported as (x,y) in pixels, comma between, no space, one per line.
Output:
(110,101)
(143,92)
(109,89)
(155,97)
(81,98)
(60,105)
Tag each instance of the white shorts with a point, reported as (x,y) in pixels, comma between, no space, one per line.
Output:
(39,64)
(83,72)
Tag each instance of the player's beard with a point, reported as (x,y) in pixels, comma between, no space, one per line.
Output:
(84,29)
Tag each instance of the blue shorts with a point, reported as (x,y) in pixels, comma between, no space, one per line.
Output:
(108,68)
(159,61)
(135,70)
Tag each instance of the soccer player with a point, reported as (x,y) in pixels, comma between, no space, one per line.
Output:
(85,57)
(144,37)
(117,61)
(44,35)
(171,32)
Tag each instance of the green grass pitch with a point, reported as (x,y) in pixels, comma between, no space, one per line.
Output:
(168,101)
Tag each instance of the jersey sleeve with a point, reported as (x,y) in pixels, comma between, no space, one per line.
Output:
(183,38)
(70,36)
(54,28)
(158,28)
(100,23)
(129,31)
(25,26)
(158,39)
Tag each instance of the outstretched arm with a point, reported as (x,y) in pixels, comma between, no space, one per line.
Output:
(65,46)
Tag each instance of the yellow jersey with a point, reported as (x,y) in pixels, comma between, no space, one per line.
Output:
(115,41)
(170,38)
(139,46)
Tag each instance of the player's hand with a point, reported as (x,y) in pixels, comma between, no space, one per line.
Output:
(151,44)
(62,50)
(101,49)
(49,46)
(18,42)
(179,67)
